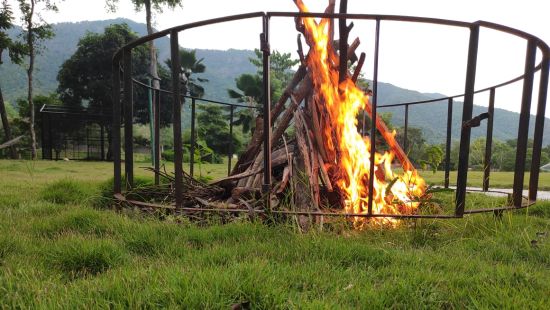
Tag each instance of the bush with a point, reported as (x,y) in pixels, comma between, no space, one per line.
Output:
(64,192)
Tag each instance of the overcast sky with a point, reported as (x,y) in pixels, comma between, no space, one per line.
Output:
(420,57)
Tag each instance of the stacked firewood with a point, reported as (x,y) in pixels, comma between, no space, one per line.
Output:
(305,164)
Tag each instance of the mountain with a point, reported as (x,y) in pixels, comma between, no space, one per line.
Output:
(222,67)
(432,117)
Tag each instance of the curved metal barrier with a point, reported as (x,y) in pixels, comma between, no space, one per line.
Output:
(122,65)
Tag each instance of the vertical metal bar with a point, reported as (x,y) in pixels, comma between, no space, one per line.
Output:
(193,140)
(523,129)
(539,129)
(448,141)
(156,120)
(102,141)
(405,132)
(151,121)
(128,119)
(52,140)
(42,134)
(373,116)
(115,127)
(230,153)
(343,43)
(364,129)
(176,114)
(466,116)
(489,141)
(87,141)
(264,38)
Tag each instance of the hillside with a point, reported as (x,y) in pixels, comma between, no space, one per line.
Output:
(224,66)
(432,117)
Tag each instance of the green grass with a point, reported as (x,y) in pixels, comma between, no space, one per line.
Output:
(498,179)
(66,254)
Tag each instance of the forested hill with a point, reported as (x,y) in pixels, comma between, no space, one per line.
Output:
(222,67)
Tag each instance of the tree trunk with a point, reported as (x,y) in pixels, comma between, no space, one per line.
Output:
(153,71)
(5,123)
(30,43)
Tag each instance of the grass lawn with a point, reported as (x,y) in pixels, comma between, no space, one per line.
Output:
(56,251)
(498,179)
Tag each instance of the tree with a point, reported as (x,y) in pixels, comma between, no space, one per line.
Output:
(213,129)
(85,79)
(433,157)
(250,86)
(189,64)
(149,5)
(35,31)
(16,52)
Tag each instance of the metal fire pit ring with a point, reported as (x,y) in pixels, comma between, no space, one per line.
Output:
(122,63)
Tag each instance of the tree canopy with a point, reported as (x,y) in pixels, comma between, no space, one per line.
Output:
(190,65)
(85,79)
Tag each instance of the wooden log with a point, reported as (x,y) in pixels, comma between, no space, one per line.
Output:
(284,181)
(343,42)
(317,131)
(358,68)
(296,79)
(324,174)
(252,149)
(285,121)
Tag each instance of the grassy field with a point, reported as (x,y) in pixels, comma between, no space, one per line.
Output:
(56,251)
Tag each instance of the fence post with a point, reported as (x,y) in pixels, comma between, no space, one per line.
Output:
(489,141)
(193,140)
(264,38)
(539,129)
(448,141)
(128,119)
(156,120)
(176,112)
(373,116)
(466,116)
(523,129)
(230,154)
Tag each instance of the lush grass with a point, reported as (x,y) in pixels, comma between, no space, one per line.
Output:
(70,255)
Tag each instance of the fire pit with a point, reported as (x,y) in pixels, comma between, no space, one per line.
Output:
(341,171)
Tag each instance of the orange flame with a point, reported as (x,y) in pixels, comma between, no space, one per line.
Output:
(393,193)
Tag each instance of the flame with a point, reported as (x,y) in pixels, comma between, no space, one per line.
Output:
(393,193)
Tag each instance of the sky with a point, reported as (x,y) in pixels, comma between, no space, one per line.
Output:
(426,58)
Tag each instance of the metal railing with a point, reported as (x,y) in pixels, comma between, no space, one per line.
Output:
(125,56)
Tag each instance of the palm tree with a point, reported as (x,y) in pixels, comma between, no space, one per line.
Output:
(250,90)
(190,65)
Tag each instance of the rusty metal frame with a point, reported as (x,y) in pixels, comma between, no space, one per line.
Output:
(519,201)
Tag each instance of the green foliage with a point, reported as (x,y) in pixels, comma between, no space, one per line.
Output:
(434,157)
(190,66)
(250,86)
(503,155)
(87,75)
(214,130)
(16,49)
(140,4)
(64,191)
